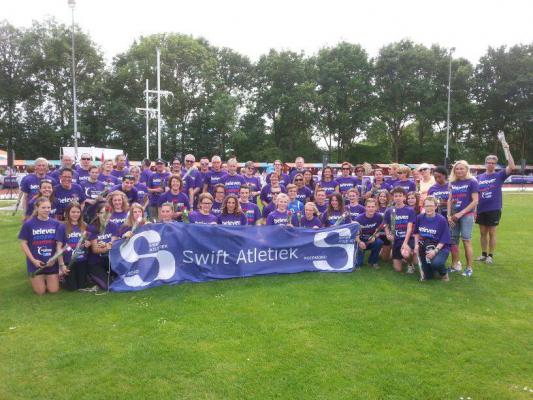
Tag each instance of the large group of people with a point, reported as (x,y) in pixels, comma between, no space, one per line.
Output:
(416,217)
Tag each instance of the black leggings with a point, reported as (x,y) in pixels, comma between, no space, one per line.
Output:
(77,277)
(100,273)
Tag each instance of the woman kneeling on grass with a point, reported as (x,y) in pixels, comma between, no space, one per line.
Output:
(103,232)
(41,237)
(75,230)
(432,240)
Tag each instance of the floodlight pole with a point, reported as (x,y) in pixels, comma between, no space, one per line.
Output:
(446,158)
(147,110)
(72,5)
(158,104)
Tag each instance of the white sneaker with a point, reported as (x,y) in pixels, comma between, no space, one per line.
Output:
(489,260)
(410,269)
(481,258)
(457,267)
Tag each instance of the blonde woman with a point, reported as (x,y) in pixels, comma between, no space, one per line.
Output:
(119,206)
(462,204)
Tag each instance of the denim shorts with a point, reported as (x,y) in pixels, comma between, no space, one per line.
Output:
(463,228)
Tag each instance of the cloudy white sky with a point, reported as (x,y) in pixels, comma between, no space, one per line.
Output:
(253,27)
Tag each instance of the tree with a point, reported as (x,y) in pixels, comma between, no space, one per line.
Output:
(14,85)
(344,95)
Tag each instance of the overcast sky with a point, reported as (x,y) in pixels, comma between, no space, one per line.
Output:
(253,27)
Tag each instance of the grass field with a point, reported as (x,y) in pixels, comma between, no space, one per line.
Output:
(365,335)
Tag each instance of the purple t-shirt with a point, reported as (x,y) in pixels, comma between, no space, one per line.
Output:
(278,218)
(322,208)
(216,209)
(179,200)
(408,186)
(142,192)
(330,220)
(392,182)
(156,180)
(251,211)
(345,183)
(304,194)
(132,195)
(232,183)
(433,230)
(284,179)
(196,217)
(440,192)
(72,240)
(83,174)
(119,174)
(118,218)
(108,180)
(268,209)
(382,186)
(306,223)
(92,189)
(65,196)
(355,211)
(266,193)
(42,237)
(106,236)
(329,186)
(232,219)
(490,190)
(145,175)
(462,193)
(31,206)
(255,186)
(404,216)
(213,178)
(369,225)
(30,184)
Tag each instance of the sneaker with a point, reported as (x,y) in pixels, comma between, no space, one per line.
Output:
(481,258)
(467,272)
(445,278)
(410,269)
(374,266)
(457,267)
(489,260)
(92,289)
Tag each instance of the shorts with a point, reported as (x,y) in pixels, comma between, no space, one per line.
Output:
(397,250)
(489,218)
(462,228)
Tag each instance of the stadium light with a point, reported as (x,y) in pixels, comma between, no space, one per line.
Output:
(447,157)
(72,5)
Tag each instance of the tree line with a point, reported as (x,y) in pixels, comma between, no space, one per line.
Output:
(339,101)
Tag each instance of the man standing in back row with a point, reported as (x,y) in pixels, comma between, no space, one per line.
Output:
(489,209)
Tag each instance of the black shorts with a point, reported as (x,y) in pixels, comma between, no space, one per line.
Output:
(397,250)
(489,218)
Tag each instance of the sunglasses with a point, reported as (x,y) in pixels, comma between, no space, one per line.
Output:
(346,168)
(189,160)
(299,180)
(86,158)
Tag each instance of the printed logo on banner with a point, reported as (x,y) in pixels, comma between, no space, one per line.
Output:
(345,242)
(165,259)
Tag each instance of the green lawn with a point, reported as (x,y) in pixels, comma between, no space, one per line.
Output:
(367,335)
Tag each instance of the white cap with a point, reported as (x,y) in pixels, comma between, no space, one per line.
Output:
(423,166)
